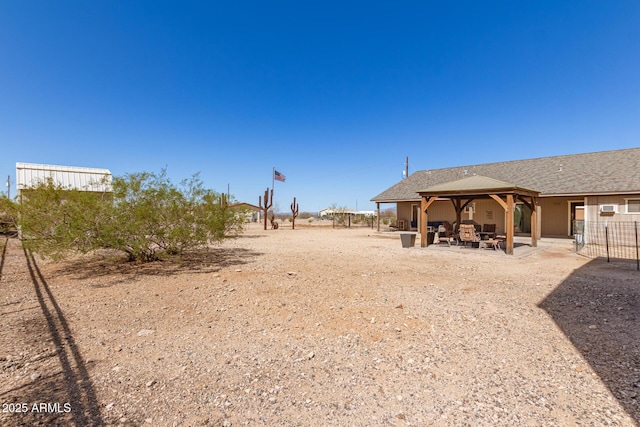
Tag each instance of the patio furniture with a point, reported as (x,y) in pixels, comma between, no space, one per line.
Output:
(477,226)
(488,230)
(445,233)
(469,234)
(492,243)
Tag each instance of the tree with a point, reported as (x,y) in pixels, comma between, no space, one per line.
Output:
(146,215)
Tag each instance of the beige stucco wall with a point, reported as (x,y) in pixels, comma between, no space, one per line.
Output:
(593,204)
(488,211)
(442,210)
(555,214)
(404,212)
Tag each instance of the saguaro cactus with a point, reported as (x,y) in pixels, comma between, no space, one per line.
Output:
(294,213)
(268,202)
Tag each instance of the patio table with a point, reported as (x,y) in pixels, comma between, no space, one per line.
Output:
(485,235)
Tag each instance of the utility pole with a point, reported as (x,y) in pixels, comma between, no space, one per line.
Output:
(9,187)
(405,172)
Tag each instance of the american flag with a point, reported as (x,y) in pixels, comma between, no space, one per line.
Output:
(278,176)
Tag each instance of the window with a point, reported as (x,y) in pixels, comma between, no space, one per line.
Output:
(633,206)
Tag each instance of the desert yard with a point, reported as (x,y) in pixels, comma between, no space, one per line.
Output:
(320,326)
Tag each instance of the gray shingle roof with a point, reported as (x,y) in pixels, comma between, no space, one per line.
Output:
(604,172)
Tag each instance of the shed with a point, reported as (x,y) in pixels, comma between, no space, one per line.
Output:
(29,175)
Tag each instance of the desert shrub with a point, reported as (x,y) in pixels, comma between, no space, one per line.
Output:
(146,215)
(7,215)
(339,215)
(55,221)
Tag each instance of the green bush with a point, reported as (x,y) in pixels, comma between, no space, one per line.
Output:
(146,215)
(7,215)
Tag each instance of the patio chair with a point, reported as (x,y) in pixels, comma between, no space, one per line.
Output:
(469,234)
(489,230)
(445,233)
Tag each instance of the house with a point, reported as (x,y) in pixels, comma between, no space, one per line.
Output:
(330,212)
(29,175)
(557,193)
(251,213)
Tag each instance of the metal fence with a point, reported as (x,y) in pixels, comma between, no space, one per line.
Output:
(611,240)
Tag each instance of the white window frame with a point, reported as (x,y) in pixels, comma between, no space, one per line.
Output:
(626,206)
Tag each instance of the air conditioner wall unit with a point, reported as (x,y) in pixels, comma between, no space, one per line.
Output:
(608,209)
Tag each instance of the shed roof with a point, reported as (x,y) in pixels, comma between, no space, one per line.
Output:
(604,172)
(29,175)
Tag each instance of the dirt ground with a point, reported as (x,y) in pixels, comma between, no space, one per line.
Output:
(320,326)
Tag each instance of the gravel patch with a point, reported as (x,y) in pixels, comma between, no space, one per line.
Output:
(320,326)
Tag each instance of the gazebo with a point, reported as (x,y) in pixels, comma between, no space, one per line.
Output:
(463,191)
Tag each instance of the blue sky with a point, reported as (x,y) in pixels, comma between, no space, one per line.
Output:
(334,95)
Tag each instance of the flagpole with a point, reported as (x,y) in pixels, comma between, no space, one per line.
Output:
(273,177)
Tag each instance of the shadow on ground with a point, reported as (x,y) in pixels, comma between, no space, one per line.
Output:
(3,249)
(111,263)
(598,309)
(62,394)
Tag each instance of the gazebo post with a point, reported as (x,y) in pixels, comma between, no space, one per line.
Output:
(534,223)
(510,210)
(378,204)
(533,220)
(457,204)
(423,221)
(425,202)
